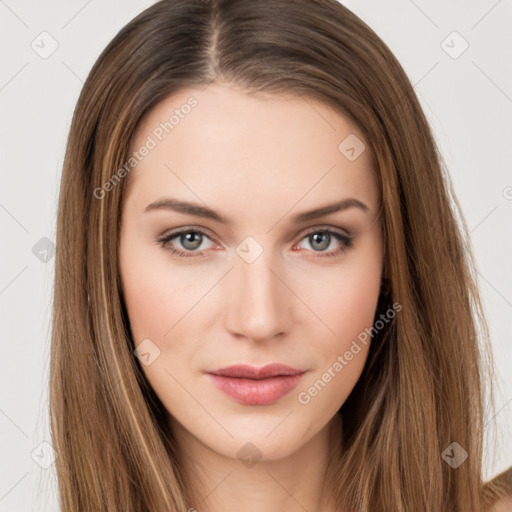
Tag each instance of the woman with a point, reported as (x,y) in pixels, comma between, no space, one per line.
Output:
(263,298)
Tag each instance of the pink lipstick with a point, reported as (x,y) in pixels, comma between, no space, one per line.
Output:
(251,385)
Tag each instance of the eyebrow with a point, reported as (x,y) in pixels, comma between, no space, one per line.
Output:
(198,210)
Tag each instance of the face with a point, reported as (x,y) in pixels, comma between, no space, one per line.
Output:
(223,263)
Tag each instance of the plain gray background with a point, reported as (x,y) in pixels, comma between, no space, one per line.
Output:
(458,56)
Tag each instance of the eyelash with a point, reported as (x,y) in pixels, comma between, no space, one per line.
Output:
(346,241)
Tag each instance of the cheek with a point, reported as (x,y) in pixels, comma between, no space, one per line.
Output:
(160,304)
(347,299)
(157,297)
(356,296)
(168,304)
(347,308)
(349,311)
(148,301)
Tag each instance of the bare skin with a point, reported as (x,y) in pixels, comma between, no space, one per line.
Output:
(503,505)
(259,161)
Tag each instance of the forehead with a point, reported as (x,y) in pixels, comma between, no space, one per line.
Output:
(220,142)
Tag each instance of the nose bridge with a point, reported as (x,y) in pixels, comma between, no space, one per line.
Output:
(259,301)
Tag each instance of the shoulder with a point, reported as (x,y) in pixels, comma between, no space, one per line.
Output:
(502,505)
(498,492)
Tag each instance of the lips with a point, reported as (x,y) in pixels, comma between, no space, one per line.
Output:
(251,385)
(246,371)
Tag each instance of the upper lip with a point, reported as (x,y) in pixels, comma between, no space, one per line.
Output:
(253,372)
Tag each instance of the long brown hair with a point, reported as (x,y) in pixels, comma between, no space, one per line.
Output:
(423,387)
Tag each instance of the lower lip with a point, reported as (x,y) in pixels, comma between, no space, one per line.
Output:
(256,392)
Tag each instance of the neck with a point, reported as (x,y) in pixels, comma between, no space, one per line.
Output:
(300,481)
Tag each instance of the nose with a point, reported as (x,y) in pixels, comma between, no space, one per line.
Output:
(260,304)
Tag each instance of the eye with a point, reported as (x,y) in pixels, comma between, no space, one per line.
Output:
(190,239)
(322,239)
